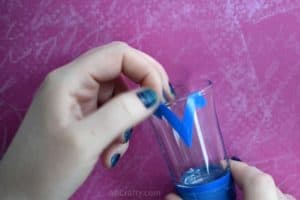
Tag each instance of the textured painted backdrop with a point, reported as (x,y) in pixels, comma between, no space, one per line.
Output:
(249,48)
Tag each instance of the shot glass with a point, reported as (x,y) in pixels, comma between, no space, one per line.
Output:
(191,142)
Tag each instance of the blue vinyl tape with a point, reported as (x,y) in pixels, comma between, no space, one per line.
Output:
(221,188)
(183,127)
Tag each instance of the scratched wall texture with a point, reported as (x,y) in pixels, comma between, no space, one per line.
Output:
(249,48)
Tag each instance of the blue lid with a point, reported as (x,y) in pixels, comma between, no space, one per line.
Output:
(221,188)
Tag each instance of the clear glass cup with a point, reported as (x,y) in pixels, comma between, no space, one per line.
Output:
(200,170)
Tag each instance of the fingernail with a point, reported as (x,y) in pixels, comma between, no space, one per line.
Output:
(127,135)
(236,158)
(148,97)
(114,159)
(172,89)
(165,96)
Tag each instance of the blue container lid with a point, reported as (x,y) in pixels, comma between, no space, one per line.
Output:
(221,188)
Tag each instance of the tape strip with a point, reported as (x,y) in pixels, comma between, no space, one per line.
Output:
(183,127)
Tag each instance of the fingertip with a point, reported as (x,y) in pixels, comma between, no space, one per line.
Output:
(237,164)
(172,90)
(148,97)
(172,196)
(114,159)
(169,93)
(239,171)
(289,197)
(235,158)
(127,135)
(113,154)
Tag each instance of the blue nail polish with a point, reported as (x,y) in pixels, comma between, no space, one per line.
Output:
(148,97)
(127,135)
(172,89)
(165,96)
(236,158)
(114,159)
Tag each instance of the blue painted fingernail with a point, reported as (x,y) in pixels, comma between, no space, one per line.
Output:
(172,89)
(165,96)
(114,159)
(148,97)
(236,158)
(127,135)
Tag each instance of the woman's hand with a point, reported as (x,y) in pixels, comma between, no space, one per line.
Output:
(81,110)
(254,184)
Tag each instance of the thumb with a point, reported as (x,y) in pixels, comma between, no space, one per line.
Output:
(256,185)
(117,115)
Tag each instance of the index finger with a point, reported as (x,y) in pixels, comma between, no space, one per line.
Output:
(109,61)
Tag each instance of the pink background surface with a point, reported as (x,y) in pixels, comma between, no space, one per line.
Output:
(249,48)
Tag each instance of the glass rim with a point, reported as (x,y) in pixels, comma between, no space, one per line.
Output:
(205,84)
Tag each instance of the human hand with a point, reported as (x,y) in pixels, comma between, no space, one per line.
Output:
(255,184)
(80,111)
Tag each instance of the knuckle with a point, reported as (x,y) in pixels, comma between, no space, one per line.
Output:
(52,80)
(56,81)
(51,76)
(48,82)
(120,44)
